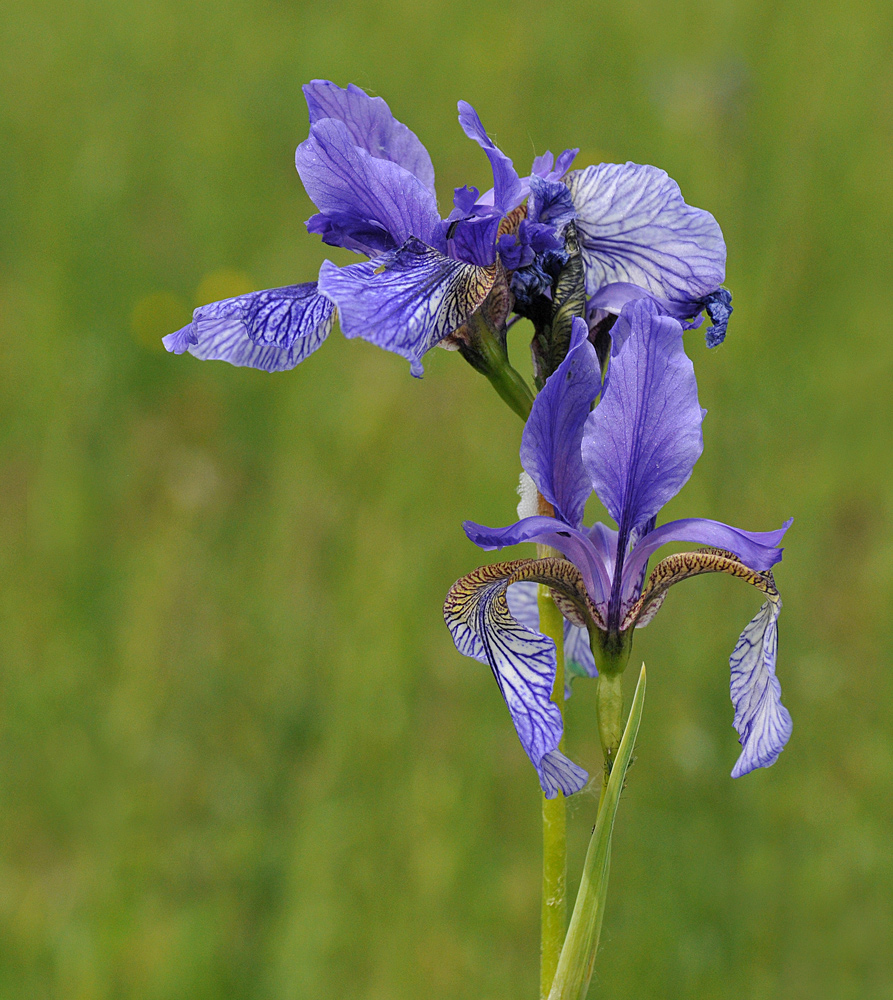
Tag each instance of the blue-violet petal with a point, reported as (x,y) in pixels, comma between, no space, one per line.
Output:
(273,330)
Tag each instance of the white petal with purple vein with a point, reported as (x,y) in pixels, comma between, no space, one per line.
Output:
(763,723)
(634,226)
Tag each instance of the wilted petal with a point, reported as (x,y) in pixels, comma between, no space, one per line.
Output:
(635,227)
(273,330)
(523,663)
(347,182)
(508,191)
(763,723)
(643,439)
(550,445)
(407,300)
(371,126)
(719,308)
(718,305)
(550,202)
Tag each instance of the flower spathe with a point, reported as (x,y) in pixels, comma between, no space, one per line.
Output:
(372,182)
(636,450)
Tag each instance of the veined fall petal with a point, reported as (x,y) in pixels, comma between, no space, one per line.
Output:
(273,330)
(407,300)
(763,723)
(522,660)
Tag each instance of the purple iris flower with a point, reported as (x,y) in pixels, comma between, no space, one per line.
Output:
(373,183)
(636,450)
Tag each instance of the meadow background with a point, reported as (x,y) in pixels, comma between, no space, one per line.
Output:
(239,754)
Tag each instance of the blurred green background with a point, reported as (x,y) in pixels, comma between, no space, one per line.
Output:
(239,755)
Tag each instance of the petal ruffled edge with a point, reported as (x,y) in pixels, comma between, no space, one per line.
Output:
(372,126)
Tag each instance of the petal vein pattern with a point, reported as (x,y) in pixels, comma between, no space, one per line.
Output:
(407,300)
(762,722)
(273,330)
(524,607)
(523,663)
(635,227)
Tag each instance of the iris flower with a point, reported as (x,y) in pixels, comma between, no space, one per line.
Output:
(636,450)
(373,183)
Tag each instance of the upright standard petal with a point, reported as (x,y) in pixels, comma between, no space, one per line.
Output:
(408,300)
(523,663)
(474,240)
(508,191)
(762,722)
(642,441)
(371,126)
(273,330)
(346,183)
(635,227)
(550,444)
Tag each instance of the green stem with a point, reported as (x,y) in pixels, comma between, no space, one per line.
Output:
(554,913)
(488,355)
(609,712)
